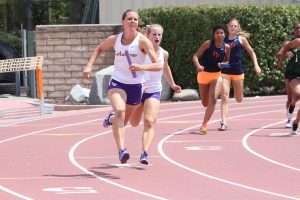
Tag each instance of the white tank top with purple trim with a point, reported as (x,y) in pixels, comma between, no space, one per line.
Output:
(122,72)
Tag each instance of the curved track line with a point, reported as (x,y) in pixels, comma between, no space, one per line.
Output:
(245,144)
(261,98)
(69,114)
(73,149)
(200,106)
(75,163)
(72,158)
(92,111)
(162,153)
(14,193)
(175,116)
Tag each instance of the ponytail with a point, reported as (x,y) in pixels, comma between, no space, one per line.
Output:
(244,34)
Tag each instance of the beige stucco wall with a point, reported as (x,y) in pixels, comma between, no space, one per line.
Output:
(111,11)
(66,50)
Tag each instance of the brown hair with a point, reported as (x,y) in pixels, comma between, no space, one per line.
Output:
(139,21)
(241,32)
(127,11)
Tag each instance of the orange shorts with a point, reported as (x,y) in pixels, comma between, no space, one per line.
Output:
(206,77)
(234,77)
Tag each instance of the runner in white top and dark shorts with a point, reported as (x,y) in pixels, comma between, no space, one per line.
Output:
(125,90)
(149,106)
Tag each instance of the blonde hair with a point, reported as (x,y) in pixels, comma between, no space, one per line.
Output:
(149,28)
(241,32)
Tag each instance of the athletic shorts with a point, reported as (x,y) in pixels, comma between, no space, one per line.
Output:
(133,91)
(294,76)
(206,77)
(286,75)
(289,75)
(155,95)
(234,77)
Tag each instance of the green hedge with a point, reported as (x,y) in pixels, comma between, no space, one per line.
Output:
(186,28)
(13,41)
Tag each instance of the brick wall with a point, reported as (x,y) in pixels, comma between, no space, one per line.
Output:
(66,50)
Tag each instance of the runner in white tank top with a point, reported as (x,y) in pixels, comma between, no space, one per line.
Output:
(149,107)
(153,79)
(125,91)
(122,72)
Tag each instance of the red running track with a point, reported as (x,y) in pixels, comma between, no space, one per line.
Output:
(69,155)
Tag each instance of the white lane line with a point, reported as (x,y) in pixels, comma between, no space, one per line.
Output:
(8,123)
(109,157)
(80,123)
(77,112)
(75,163)
(163,154)
(204,148)
(14,193)
(69,114)
(44,130)
(262,99)
(200,141)
(279,134)
(34,178)
(83,169)
(32,133)
(239,108)
(68,125)
(247,147)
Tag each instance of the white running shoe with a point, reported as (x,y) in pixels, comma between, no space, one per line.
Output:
(223,127)
(289,115)
(289,123)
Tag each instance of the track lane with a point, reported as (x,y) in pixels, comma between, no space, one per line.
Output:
(97,155)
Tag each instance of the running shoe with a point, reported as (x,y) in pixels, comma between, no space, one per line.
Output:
(106,121)
(203,130)
(289,115)
(123,156)
(223,127)
(144,158)
(289,123)
(294,129)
